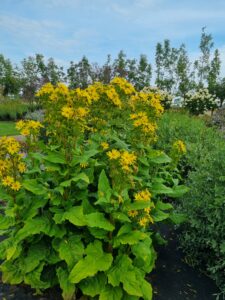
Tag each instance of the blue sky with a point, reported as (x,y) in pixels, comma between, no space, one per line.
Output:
(68,29)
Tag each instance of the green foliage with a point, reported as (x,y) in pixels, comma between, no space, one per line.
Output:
(203,167)
(12,109)
(82,219)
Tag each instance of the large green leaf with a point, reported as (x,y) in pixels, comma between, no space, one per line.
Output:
(159,158)
(111,293)
(98,219)
(179,191)
(76,216)
(144,255)
(95,260)
(163,206)
(159,215)
(92,286)
(68,288)
(159,188)
(6,222)
(121,217)
(84,157)
(71,250)
(124,272)
(146,289)
(35,254)
(76,178)
(4,196)
(55,157)
(34,187)
(104,189)
(34,278)
(34,226)
(126,235)
(11,273)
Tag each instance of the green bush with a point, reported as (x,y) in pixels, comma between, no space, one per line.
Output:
(81,210)
(203,235)
(12,109)
(200,102)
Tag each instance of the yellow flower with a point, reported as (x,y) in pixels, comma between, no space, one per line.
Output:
(132,213)
(105,145)
(67,112)
(21,167)
(126,160)
(83,165)
(25,131)
(13,147)
(114,154)
(20,124)
(143,221)
(16,186)
(7,181)
(80,112)
(144,195)
(180,147)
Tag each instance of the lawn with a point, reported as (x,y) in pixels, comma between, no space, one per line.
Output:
(7,128)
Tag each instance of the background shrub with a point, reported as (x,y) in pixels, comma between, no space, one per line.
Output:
(12,109)
(203,235)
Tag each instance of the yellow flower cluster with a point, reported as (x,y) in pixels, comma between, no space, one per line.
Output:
(148,100)
(113,96)
(125,86)
(99,107)
(53,92)
(155,103)
(144,195)
(70,113)
(125,158)
(11,165)
(29,127)
(141,120)
(179,147)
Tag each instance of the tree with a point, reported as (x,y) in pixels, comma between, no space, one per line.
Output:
(184,77)
(144,73)
(166,59)
(120,65)
(214,71)
(79,75)
(202,65)
(10,81)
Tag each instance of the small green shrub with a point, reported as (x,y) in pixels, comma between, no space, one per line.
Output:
(203,235)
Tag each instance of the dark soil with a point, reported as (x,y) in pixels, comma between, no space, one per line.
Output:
(172,279)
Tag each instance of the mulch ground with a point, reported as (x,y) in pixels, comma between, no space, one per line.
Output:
(172,279)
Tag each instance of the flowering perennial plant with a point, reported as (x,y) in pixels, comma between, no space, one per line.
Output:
(79,207)
(200,102)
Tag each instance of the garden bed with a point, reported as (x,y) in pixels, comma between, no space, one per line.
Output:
(172,279)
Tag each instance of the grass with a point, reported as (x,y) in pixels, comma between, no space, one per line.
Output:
(8,128)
